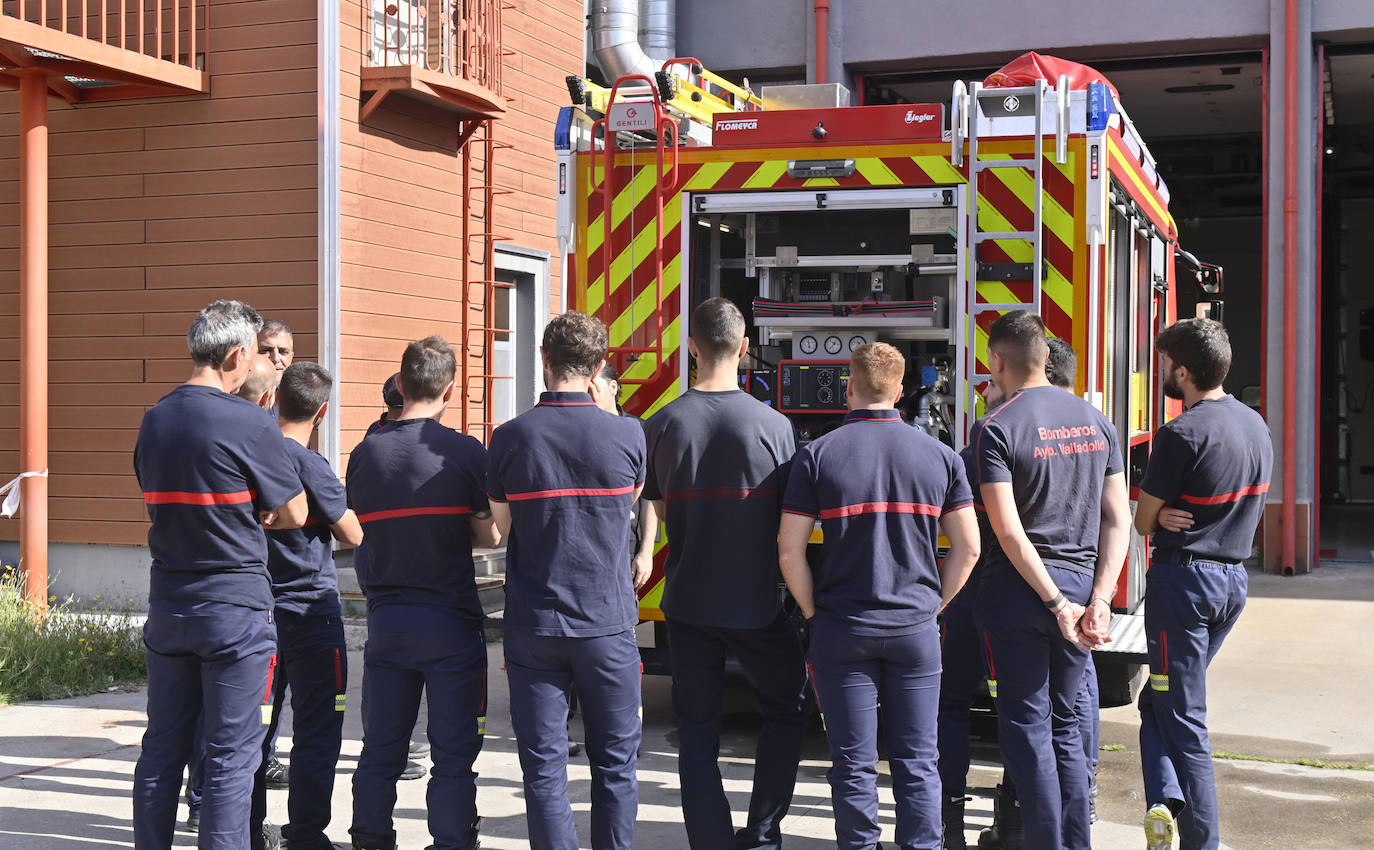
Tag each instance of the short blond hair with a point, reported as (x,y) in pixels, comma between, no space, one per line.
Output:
(876,370)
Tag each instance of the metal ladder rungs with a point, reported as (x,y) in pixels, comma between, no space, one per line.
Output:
(990,235)
(1031,165)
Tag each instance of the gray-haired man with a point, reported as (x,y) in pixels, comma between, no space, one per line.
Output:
(214,470)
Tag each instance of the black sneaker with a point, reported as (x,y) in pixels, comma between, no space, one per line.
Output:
(278,775)
(193,821)
(414,770)
(419,749)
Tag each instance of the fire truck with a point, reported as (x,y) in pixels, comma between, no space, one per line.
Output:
(915,224)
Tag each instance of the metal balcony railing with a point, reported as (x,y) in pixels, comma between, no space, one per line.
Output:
(458,38)
(170,30)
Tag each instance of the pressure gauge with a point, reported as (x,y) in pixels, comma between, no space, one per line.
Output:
(856,341)
(807,344)
(833,345)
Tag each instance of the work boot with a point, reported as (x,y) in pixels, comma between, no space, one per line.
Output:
(1006,832)
(193,821)
(952,819)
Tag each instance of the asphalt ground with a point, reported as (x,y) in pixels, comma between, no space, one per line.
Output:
(1294,682)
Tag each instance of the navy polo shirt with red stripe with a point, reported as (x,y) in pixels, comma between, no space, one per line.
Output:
(1055,450)
(414,486)
(568,471)
(1214,461)
(879,488)
(719,462)
(301,560)
(208,462)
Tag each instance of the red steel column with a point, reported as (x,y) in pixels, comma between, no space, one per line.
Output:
(822,34)
(33,333)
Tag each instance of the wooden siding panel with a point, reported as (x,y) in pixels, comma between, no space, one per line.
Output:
(158,207)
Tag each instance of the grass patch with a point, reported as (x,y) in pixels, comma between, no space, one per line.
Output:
(66,652)
(1303,762)
(1113,748)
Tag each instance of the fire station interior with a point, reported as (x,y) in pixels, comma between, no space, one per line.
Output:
(1202,117)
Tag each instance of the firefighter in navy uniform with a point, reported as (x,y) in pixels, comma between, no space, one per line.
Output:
(214,470)
(1201,499)
(563,480)
(1051,478)
(883,492)
(717,461)
(417,486)
(311,653)
(1061,368)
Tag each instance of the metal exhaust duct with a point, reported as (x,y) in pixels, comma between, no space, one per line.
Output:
(658,29)
(615,35)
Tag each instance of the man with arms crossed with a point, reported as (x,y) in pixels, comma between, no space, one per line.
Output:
(214,470)
(884,492)
(311,654)
(1050,474)
(717,467)
(1201,499)
(417,488)
(563,479)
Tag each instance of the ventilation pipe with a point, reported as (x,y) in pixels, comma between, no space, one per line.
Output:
(658,29)
(615,26)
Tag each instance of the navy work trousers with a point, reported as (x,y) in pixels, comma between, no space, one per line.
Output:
(964,662)
(207,663)
(413,649)
(1190,607)
(606,672)
(775,668)
(313,659)
(1038,675)
(963,669)
(854,673)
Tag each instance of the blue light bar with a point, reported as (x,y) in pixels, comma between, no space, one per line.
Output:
(1100,106)
(562,137)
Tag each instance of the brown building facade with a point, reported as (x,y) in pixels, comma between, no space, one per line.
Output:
(285,187)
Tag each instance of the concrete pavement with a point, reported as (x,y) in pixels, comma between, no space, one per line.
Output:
(1293,681)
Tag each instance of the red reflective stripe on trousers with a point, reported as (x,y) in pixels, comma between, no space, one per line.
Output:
(271,670)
